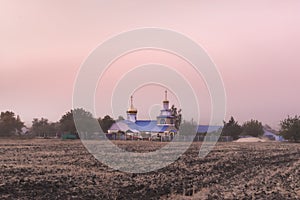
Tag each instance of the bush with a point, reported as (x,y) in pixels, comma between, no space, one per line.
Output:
(232,129)
(290,128)
(253,128)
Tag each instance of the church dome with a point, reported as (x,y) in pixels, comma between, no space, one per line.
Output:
(132,110)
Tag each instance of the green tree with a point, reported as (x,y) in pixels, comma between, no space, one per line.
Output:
(232,128)
(42,128)
(81,116)
(177,116)
(120,118)
(10,124)
(188,128)
(253,128)
(106,123)
(290,128)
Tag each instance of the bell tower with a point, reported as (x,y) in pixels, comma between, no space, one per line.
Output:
(165,117)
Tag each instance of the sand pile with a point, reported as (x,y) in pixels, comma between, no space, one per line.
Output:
(250,139)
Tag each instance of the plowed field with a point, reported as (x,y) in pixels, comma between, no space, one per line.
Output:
(55,169)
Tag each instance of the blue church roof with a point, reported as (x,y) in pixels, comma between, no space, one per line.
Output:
(166,116)
(276,137)
(151,126)
(207,128)
(145,122)
(139,126)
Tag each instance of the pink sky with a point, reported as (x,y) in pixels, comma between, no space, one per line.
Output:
(255,45)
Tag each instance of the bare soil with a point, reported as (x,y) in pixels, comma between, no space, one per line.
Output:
(55,169)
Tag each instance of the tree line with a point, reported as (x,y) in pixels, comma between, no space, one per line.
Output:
(252,128)
(289,128)
(11,125)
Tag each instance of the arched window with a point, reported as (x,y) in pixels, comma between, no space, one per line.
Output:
(162,121)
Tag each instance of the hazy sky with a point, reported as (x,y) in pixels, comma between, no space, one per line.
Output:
(255,45)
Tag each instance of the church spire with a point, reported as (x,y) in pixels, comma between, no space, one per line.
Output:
(166,95)
(131,108)
(131,102)
(131,112)
(166,101)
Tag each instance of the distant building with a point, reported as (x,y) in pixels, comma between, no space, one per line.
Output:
(272,134)
(164,125)
(202,129)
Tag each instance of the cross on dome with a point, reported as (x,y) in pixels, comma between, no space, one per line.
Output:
(131,101)
(166,97)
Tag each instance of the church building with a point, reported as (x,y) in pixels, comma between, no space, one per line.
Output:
(164,125)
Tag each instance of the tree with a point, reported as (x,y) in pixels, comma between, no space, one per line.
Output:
(290,128)
(120,118)
(106,123)
(253,128)
(188,128)
(42,128)
(10,124)
(177,116)
(232,128)
(81,116)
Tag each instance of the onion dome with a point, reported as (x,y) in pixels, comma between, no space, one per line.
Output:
(131,110)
